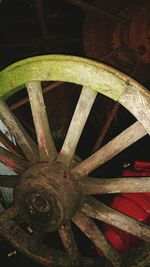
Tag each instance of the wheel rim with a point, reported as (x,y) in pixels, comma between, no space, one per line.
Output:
(63,184)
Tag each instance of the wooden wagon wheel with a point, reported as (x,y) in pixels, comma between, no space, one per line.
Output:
(49,191)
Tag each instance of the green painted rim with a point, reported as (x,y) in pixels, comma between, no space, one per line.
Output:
(95,75)
(89,73)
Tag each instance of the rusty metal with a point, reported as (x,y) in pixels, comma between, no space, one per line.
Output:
(135,33)
(121,44)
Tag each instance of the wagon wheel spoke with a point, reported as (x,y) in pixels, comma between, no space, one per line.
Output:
(68,241)
(100,211)
(22,242)
(129,136)
(138,256)
(22,138)
(18,165)
(9,180)
(89,228)
(76,126)
(45,255)
(94,186)
(46,145)
(7,215)
(9,145)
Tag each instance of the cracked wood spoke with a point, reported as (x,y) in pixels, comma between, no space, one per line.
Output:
(22,138)
(7,215)
(9,145)
(9,180)
(90,229)
(78,121)
(46,145)
(100,211)
(94,186)
(68,241)
(13,162)
(129,136)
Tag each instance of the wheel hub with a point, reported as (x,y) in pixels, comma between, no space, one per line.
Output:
(47,196)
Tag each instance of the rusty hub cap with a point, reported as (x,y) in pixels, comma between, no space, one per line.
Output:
(47,196)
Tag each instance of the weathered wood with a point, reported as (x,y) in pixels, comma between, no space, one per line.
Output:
(9,145)
(129,136)
(138,256)
(7,215)
(79,119)
(26,100)
(22,138)
(9,180)
(94,186)
(106,127)
(89,73)
(89,228)
(18,165)
(137,100)
(68,241)
(46,145)
(21,241)
(100,211)
(37,239)
(45,255)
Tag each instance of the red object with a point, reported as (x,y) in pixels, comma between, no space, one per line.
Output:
(135,205)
